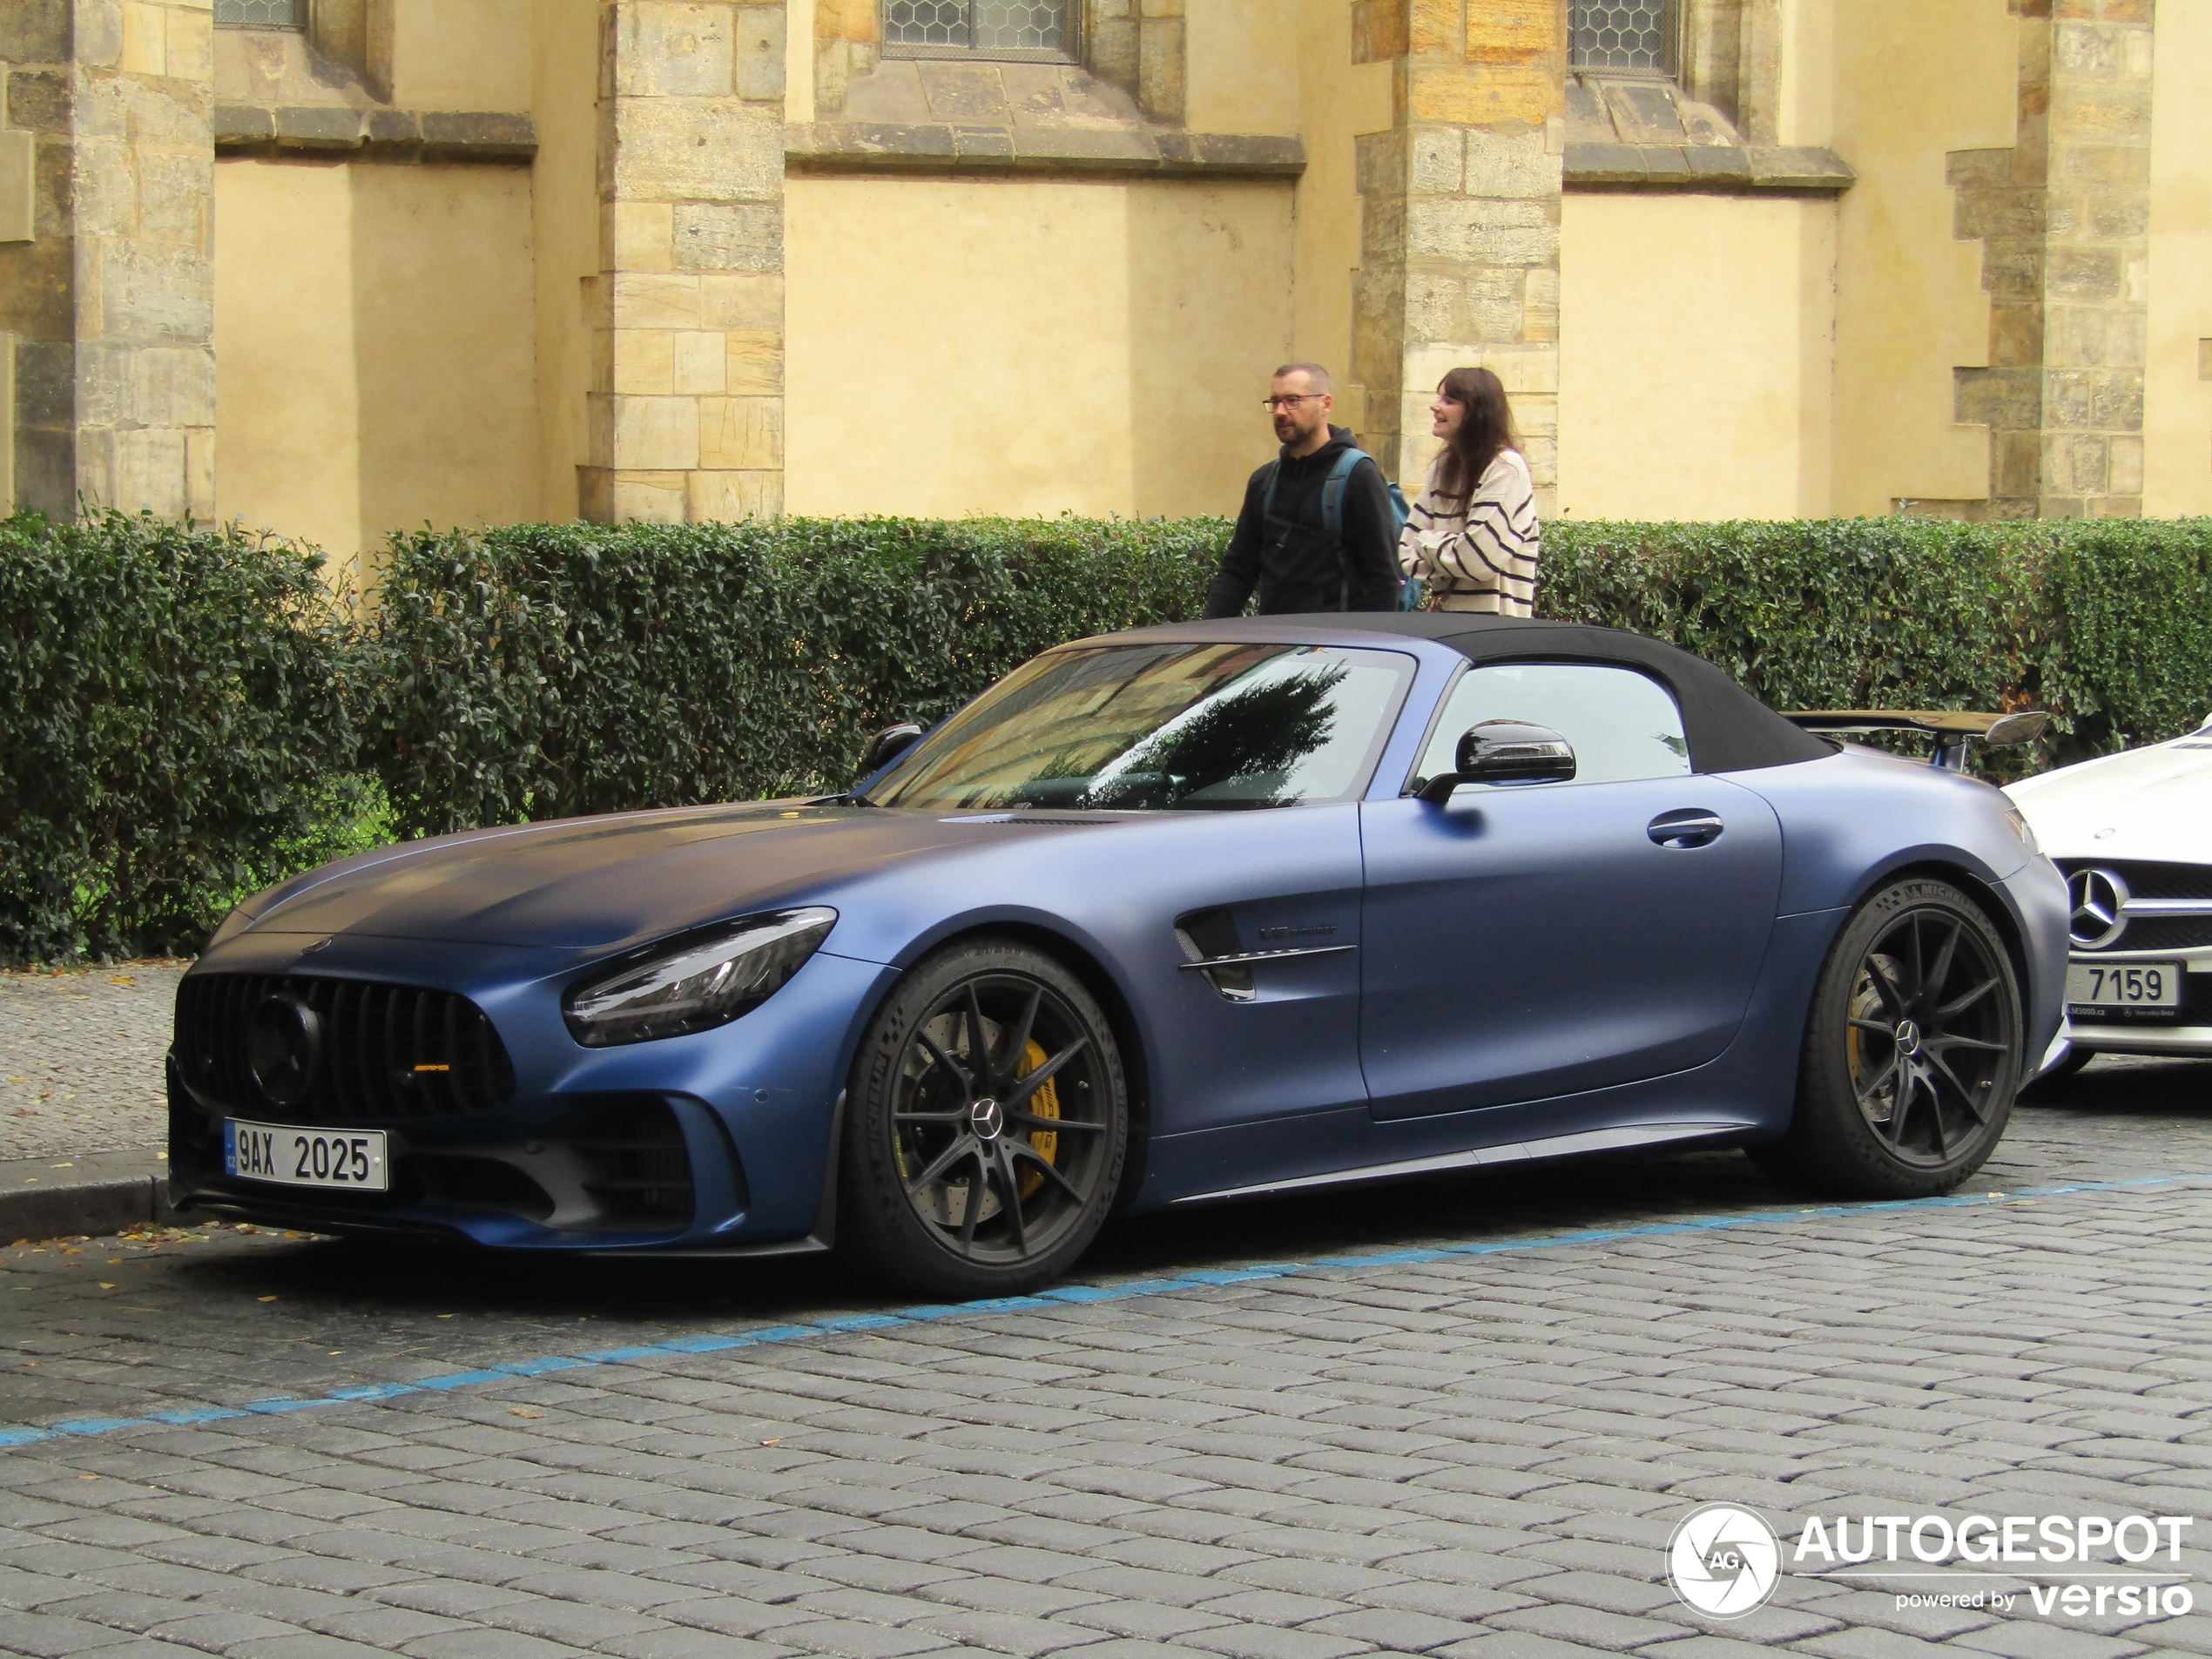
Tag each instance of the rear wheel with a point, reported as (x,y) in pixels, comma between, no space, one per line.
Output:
(1911,1055)
(987,1124)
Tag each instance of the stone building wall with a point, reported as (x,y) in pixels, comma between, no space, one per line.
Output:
(38,275)
(144,178)
(112,303)
(2064,217)
(1458,258)
(687,411)
(1425,145)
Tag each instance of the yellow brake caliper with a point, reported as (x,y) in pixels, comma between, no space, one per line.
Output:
(1045,1104)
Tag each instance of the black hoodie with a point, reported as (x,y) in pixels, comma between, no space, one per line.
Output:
(1288,553)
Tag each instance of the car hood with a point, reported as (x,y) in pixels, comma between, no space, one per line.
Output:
(2149,804)
(603,882)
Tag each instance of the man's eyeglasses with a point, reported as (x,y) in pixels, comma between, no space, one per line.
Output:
(1291,402)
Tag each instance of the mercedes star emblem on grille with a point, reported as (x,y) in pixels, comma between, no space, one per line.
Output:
(284,1050)
(2100,908)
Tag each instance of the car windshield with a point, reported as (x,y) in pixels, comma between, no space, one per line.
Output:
(1158,727)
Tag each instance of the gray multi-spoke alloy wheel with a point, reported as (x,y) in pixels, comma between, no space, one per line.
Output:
(986,1124)
(1912,1052)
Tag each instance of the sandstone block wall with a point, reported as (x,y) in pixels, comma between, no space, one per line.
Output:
(1460,212)
(2064,219)
(687,312)
(143,173)
(112,300)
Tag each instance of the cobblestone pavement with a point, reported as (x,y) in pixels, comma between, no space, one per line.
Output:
(1390,1449)
(81,1057)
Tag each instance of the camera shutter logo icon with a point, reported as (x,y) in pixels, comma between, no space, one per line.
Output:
(1724,1561)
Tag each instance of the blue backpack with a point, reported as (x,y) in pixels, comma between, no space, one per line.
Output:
(1332,488)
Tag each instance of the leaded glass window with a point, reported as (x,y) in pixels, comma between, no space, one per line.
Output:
(1623,37)
(260,14)
(986,28)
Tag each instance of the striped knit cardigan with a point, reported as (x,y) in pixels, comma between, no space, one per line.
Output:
(1480,554)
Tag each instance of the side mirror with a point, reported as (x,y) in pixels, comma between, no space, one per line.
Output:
(1504,751)
(887,745)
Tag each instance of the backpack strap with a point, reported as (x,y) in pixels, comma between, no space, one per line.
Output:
(1267,502)
(1333,490)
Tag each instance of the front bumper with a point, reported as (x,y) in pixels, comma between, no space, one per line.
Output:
(721,1142)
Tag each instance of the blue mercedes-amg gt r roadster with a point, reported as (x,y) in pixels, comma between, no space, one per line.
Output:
(1171,916)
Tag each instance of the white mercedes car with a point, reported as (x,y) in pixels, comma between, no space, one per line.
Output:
(2133,833)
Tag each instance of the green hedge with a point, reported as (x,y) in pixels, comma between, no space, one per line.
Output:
(174,730)
(186,715)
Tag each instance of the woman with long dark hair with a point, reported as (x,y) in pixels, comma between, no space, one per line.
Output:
(1473,535)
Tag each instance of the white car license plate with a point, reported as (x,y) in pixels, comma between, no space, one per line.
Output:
(2124,985)
(348,1162)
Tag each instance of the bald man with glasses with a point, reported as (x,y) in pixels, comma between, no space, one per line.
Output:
(1283,544)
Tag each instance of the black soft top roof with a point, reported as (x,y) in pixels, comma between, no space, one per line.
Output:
(1728,729)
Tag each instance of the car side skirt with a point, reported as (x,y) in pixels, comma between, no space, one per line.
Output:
(1558,1146)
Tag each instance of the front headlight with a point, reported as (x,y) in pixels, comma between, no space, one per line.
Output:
(696,981)
(2022,828)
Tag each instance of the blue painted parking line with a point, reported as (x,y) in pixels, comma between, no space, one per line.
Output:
(1205,1278)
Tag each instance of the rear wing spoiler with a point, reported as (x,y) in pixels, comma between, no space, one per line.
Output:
(1954,730)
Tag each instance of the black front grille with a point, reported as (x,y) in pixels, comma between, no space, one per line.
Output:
(639,1167)
(388,1050)
(2148,880)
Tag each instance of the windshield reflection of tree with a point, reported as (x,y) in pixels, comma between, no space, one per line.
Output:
(1045,734)
(1237,748)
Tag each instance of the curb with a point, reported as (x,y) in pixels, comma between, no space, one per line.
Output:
(92,1194)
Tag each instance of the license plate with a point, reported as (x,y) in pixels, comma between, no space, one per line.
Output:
(279,1153)
(2124,985)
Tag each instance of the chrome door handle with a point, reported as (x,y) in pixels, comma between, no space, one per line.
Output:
(1690,828)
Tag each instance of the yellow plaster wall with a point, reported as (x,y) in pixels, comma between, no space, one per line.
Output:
(1241,68)
(287,403)
(373,327)
(463,54)
(1908,81)
(1338,100)
(565,218)
(1696,356)
(961,347)
(2177,412)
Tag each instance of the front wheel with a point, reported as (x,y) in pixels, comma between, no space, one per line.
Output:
(987,1124)
(1911,1055)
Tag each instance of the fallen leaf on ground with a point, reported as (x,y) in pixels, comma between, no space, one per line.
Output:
(523,1411)
(268,1299)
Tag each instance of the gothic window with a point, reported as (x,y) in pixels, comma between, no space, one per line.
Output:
(1624,36)
(260,14)
(1017,29)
